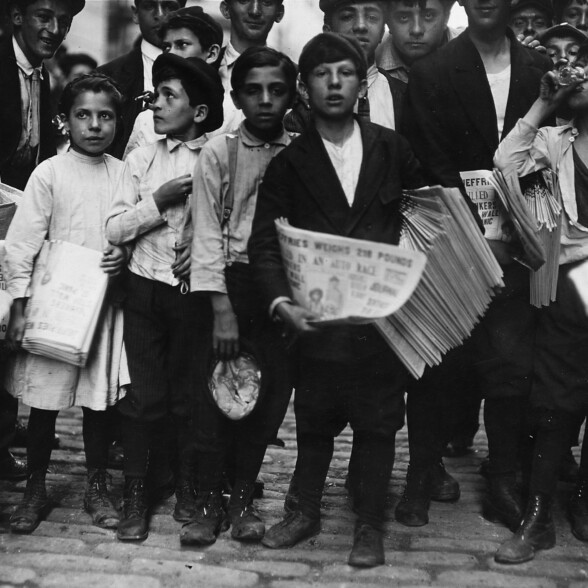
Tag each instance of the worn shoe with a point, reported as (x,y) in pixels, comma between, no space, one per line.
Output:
(578,511)
(134,524)
(97,501)
(185,501)
(444,487)
(207,522)
(295,527)
(246,524)
(535,532)
(368,547)
(292,500)
(413,508)
(34,505)
(12,468)
(503,503)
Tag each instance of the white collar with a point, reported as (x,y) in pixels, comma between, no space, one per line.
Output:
(150,51)
(21,60)
(231,55)
(172,143)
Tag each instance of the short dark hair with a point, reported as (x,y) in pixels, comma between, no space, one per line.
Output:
(207,35)
(330,48)
(75,5)
(263,57)
(191,85)
(70,60)
(92,82)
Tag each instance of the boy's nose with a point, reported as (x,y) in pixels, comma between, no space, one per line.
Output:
(417,27)
(255,7)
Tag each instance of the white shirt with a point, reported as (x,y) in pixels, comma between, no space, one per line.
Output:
(149,53)
(380,99)
(499,86)
(232,116)
(346,160)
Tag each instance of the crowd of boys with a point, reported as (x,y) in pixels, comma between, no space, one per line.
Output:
(377,113)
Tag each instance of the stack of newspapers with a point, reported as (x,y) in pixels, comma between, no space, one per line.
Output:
(9,199)
(456,287)
(533,204)
(67,294)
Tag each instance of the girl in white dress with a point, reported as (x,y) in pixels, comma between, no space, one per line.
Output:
(67,198)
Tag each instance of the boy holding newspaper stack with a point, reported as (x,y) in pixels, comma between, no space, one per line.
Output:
(345,177)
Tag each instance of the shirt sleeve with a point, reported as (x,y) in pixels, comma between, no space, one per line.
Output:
(134,211)
(209,189)
(28,230)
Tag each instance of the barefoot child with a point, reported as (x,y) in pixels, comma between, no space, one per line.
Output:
(68,198)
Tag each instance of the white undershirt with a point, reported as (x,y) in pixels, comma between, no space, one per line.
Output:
(149,53)
(500,86)
(346,160)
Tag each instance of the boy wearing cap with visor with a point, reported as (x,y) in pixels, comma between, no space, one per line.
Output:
(161,321)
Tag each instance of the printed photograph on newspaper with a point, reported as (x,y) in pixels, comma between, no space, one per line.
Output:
(347,280)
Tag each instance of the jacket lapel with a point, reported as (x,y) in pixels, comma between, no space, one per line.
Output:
(468,78)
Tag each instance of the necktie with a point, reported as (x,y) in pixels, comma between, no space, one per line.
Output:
(35,104)
(363,109)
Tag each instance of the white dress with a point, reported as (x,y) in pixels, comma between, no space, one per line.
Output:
(67,197)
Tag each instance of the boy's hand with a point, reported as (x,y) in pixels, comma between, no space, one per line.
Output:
(181,266)
(16,324)
(296,317)
(551,92)
(531,43)
(113,260)
(172,192)
(225,332)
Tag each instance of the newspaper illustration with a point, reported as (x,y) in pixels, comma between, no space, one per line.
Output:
(347,280)
(5,298)
(483,194)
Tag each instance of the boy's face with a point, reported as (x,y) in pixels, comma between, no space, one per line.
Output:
(363,20)
(562,48)
(487,15)
(332,90)
(149,15)
(530,21)
(172,113)
(263,98)
(417,31)
(41,29)
(576,14)
(185,43)
(252,20)
(91,123)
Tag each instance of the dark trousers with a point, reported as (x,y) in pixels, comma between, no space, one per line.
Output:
(163,343)
(243,443)
(367,395)
(8,416)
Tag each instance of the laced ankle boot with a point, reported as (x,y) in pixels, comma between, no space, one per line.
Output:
(97,501)
(503,502)
(535,532)
(413,508)
(246,524)
(578,511)
(185,499)
(208,521)
(30,511)
(134,525)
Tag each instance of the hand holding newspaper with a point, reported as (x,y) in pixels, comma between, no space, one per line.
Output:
(346,280)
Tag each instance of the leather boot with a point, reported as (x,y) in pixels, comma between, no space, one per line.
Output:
(30,511)
(444,487)
(208,521)
(97,502)
(246,524)
(535,532)
(578,511)
(368,547)
(292,500)
(503,503)
(292,529)
(185,499)
(134,524)
(413,508)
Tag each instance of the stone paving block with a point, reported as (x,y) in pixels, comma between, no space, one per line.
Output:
(89,534)
(492,580)
(452,544)
(272,568)
(131,551)
(90,580)
(318,556)
(387,572)
(297,584)
(431,558)
(15,575)
(53,562)
(562,570)
(180,573)
(12,543)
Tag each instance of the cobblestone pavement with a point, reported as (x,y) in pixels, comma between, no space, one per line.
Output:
(455,549)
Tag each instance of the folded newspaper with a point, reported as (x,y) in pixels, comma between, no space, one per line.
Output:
(9,199)
(423,308)
(5,298)
(67,293)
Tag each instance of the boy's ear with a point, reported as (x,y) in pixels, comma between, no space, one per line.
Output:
(16,16)
(279,14)
(224,9)
(213,53)
(134,11)
(326,28)
(235,99)
(303,90)
(363,88)
(200,113)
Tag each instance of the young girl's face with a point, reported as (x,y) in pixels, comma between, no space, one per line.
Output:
(92,123)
